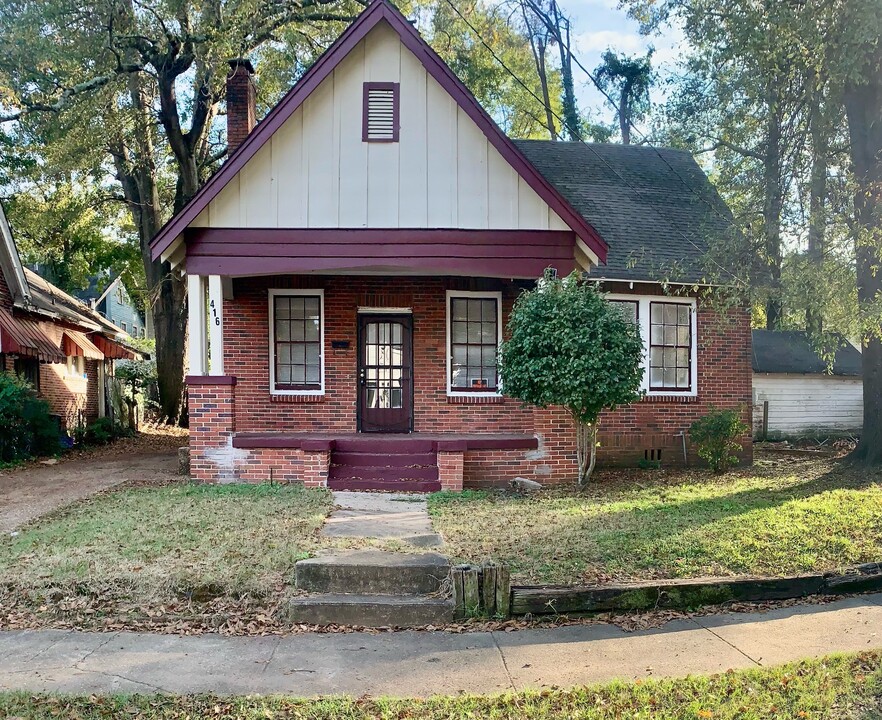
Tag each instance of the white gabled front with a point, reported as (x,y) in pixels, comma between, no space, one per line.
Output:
(317,172)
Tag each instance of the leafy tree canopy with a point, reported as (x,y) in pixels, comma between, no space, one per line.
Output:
(65,231)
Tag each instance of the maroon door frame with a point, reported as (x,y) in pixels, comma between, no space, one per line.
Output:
(398,418)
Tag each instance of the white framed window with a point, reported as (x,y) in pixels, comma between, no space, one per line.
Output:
(668,329)
(297,342)
(76,366)
(474,333)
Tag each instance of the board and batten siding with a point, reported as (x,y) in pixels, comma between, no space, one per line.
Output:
(316,172)
(806,404)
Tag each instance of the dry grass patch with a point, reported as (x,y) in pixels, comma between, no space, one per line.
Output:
(782,516)
(161,542)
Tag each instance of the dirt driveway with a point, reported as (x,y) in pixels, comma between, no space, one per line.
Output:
(37,488)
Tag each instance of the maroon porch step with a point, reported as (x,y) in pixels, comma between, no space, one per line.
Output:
(371,463)
(369,472)
(390,485)
(396,445)
(385,459)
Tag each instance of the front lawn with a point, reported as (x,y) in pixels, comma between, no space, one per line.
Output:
(835,688)
(156,543)
(784,515)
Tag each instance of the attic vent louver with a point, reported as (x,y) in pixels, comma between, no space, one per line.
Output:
(380,112)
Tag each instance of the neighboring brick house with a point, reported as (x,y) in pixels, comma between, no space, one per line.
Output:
(57,343)
(361,249)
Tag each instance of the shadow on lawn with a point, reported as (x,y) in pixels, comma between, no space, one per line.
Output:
(649,541)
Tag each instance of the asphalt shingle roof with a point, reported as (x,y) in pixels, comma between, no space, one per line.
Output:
(790,351)
(655,208)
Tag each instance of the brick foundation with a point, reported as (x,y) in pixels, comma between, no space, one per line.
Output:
(626,436)
(450,470)
(212,403)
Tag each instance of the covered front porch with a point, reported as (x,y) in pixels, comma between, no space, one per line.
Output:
(362,382)
(424,462)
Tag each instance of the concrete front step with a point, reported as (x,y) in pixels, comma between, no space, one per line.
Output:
(372,572)
(370,610)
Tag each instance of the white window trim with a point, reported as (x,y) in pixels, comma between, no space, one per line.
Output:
(273,294)
(451,294)
(364,310)
(643,310)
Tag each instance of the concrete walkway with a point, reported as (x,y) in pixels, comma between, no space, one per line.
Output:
(423,663)
(383,516)
(29,492)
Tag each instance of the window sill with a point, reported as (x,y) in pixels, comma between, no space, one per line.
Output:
(297,398)
(670,399)
(475,399)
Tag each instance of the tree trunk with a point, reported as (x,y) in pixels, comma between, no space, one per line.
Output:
(570,113)
(817,205)
(625,114)
(586,449)
(136,171)
(772,206)
(863,107)
(539,54)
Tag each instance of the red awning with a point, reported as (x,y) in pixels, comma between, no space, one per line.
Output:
(76,343)
(31,338)
(113,350)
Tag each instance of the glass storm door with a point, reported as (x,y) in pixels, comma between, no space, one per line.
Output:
(385,373)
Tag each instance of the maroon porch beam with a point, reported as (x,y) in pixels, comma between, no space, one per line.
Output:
(359,236)
(498,267)
(384,250)
(493,253)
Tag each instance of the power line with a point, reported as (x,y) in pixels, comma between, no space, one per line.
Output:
(612,169)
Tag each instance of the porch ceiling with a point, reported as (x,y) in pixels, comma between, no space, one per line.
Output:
(485,253)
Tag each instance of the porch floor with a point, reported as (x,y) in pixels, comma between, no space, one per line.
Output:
(400,442)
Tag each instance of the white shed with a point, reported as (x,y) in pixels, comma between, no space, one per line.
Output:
(803,397)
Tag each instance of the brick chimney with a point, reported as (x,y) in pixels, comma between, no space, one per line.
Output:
(241,108)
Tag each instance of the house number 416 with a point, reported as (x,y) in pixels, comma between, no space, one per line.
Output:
(214,313)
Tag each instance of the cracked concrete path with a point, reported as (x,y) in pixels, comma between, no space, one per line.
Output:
(407,664)
(384,516)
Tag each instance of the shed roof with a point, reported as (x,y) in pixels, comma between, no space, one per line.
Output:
(654,207)
(791,351)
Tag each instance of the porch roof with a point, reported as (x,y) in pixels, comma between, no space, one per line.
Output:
(317,442)
(486,253)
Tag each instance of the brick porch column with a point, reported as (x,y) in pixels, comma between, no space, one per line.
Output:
(212,411)
(450,466)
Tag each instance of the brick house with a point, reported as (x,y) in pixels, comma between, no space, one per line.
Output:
(361,249)
(57,343)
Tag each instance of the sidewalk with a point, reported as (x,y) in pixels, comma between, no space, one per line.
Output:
(421,663)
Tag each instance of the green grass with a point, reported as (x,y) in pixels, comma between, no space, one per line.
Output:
(776,518)
(155,542)
(835,688)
